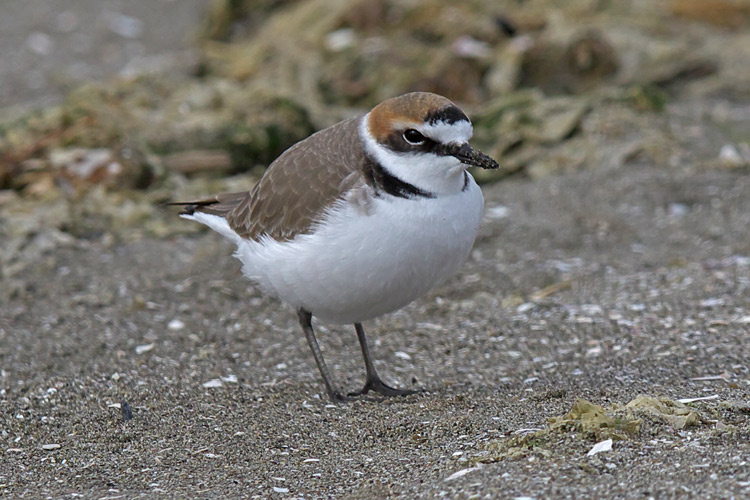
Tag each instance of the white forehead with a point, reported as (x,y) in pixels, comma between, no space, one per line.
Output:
(458,132)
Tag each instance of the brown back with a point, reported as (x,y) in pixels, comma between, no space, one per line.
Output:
(297,187)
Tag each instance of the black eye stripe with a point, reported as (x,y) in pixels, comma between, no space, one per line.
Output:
(396,142)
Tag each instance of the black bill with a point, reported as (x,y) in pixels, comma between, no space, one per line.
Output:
(473,157)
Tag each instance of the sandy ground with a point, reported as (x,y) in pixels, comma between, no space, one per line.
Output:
(657,265)
(602,284)
(49,49)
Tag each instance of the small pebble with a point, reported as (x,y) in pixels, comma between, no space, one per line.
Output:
(140,349)
(175,325)
(126,411)
(599,447)
(125,26)
(712,302)
(526,306)
(730,156)
(339,40)
(40,43)
(678,209)
(497,212)
(460,473)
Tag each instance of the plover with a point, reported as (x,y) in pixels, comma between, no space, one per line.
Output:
(359,219)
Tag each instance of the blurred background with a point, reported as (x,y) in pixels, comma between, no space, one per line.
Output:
(613,259)
(108,107)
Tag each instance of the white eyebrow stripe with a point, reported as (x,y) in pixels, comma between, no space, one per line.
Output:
(448,133)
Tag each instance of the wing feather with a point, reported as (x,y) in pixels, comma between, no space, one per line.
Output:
(298,186)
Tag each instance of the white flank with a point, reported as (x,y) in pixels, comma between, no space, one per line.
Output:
(357,266)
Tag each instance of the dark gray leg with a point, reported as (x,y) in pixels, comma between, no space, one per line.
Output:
(305,319)
(373,382)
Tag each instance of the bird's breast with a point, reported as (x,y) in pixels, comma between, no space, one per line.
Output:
(360,263)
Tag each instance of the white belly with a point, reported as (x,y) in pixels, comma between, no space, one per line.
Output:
(358,266)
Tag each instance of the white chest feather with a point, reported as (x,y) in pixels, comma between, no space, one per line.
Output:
(359,264)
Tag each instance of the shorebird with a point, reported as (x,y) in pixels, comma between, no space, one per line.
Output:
(359,219)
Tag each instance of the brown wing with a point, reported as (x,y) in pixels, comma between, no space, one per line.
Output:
(297,187)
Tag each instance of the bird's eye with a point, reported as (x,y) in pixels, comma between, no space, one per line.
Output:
(413,137)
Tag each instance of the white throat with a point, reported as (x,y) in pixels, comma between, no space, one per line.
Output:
(439,175)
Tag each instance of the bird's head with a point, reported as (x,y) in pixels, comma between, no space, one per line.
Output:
(423,139)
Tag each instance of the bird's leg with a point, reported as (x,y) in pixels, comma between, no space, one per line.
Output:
(305,319)
(373,381)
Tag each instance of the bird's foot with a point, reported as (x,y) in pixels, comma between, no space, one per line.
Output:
(377,385)
(337,397)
